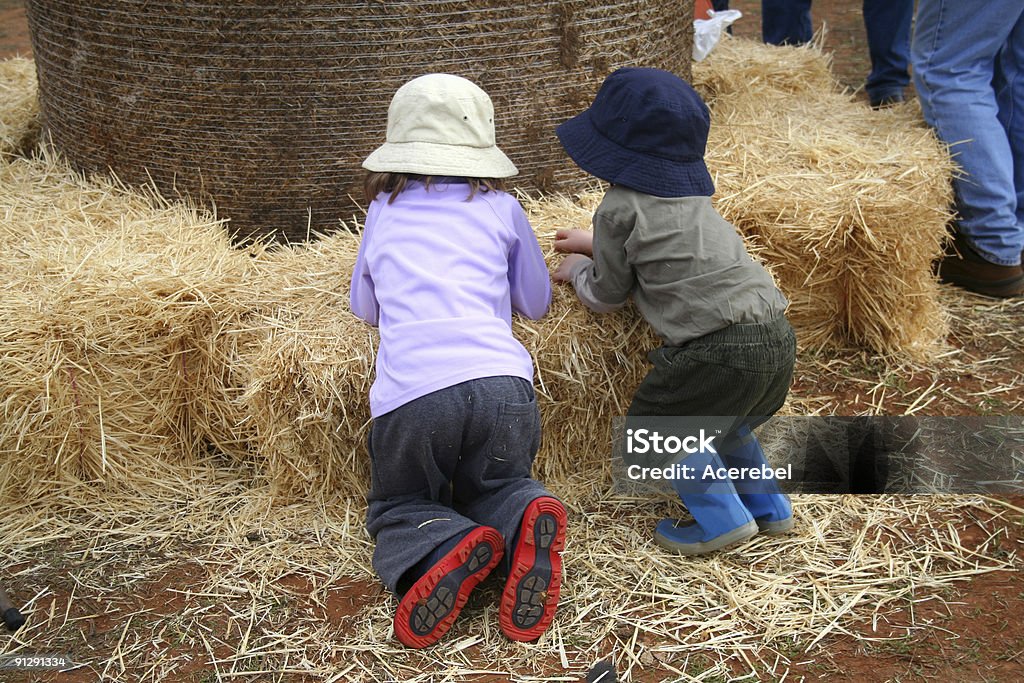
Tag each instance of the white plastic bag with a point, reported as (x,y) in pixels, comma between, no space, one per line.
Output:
(707,32)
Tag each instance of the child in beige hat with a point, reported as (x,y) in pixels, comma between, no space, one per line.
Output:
(446,258)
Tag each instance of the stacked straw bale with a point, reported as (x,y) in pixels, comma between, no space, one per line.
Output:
(587,365)
(291,401)
(19,107)
(848,206)
(136,337)
(293,368)
(106,295)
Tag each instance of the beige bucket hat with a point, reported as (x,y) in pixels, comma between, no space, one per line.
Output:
(441,125)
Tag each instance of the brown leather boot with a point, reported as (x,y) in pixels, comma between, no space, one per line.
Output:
(964,267)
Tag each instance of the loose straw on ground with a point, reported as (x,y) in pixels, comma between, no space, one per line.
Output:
(211,574)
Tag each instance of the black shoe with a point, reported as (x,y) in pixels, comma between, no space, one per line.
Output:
(887,100)
(603,672)
(428,610)
(534,581)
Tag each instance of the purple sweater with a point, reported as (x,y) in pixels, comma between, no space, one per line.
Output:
(440,276)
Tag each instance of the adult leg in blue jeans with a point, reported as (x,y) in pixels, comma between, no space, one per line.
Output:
(1009,86)
(786,22)
(887,23)
(967,71)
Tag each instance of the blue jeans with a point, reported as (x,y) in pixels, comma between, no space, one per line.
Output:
(969,72)
(786,22)
(887,22)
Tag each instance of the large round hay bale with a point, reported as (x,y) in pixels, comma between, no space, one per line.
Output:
(267,109)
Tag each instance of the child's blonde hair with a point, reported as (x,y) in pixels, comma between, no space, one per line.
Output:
(377,182)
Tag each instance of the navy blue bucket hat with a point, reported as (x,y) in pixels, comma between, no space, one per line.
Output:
(646,130)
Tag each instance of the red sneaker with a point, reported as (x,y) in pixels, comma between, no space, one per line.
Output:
(429,608)
(531,591)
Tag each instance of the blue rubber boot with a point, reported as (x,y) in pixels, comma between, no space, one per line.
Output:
(720,517)
(770,507)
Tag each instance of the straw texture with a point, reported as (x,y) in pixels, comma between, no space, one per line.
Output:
(255,354)
(106,295)
(220,394)
(848,206)
(288,397)
(19,108)
(209,579)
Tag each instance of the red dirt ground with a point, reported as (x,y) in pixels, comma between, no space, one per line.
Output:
(14,38)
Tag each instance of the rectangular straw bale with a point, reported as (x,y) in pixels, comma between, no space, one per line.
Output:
(19,107)
(587,365)
(302,364)
(293,370)
(106,293)
(847,206)
(762,72)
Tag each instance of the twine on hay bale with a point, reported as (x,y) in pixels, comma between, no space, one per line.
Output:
(268,110)
(848,206)
(19,107)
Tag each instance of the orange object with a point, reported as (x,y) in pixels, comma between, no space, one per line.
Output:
(701,9)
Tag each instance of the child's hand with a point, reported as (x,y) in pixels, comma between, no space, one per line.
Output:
(575,241)
(564,271)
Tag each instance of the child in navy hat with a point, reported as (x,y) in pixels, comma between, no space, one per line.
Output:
(728,348)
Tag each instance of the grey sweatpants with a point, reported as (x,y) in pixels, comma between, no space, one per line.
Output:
(447,462)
